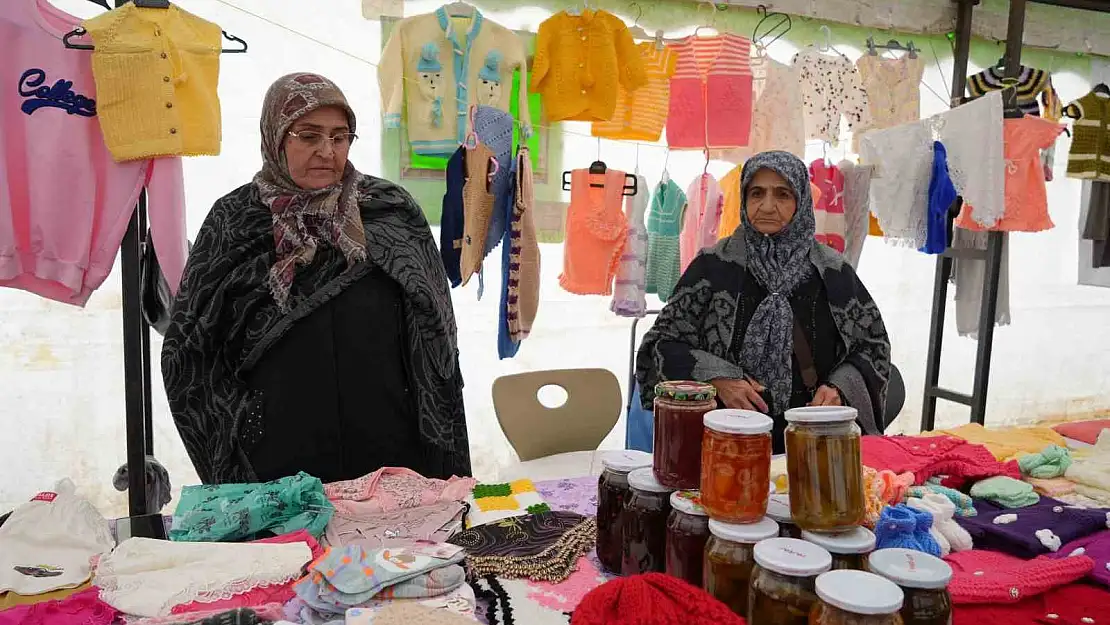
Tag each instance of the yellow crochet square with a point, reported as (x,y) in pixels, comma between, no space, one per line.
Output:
(489,504)
(522,486)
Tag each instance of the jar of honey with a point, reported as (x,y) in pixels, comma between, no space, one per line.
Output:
(924,582)
(730,558)
(824,468)
(679,408)
(847,597)
(849,549)
(736,465)
(783,582)
(612,493)
(687,533)
(778,510)
(644,521)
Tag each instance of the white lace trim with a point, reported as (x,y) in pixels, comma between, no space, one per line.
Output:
(973,136)
(147,577)
(903,161)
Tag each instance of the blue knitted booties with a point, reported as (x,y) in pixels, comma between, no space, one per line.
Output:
(905,527)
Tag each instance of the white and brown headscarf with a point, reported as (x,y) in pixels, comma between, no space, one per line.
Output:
(303,217)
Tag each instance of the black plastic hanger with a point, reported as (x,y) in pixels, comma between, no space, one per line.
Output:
(152,4)
(103,3)
(782,21)
(80,32)
(631,183)
(1101,88)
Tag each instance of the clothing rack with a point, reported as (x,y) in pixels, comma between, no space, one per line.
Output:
(992,255)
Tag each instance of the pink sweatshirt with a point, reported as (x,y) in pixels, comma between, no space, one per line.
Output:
(64,203)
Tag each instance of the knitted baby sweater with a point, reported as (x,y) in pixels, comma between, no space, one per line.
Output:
(1090,147)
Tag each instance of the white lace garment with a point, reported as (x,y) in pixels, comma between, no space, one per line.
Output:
(903,160)
(146,577)
(857,189)
(972,135)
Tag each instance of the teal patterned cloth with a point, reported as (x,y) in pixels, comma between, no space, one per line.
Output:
(664,223)
(237,512)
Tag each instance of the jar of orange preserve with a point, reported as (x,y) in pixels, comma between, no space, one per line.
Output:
(736,465)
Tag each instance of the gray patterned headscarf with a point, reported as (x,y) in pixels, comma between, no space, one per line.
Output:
(780,262)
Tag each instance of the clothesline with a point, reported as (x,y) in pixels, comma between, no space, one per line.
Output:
(558,126)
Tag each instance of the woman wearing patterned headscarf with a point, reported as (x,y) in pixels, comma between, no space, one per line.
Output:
(313,330)
(773,319)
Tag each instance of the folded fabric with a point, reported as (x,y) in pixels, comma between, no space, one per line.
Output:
(1053,487)
(1074,604)
(395,528)
(537,546)
(905,527)
(493,502)
(1035,530)
(234,512)
(965,505)
(953,536)
(46,543)
(1098,495)
(1093,470)
(84,607)
(267,612)
(1005,491)
(980,576)
(460,602)
(1080,501)
(1050,462)
(1007,443)
(11,599)
(395,488)
(926,456)
(350,576)
(651,599)
(147,577)
(406,614)
(1083,431)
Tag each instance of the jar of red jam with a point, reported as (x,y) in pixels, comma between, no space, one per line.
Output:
(612,493)
(849,549)
(687,532)
(679,408)
(644,520)
(736,465)
(924,582)
(730,558)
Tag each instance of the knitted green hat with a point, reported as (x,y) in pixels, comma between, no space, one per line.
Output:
(1005,491)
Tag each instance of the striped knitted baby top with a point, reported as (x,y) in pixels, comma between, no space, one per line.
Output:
(711,93)
(1031,83)
(1090,147)
(641,113)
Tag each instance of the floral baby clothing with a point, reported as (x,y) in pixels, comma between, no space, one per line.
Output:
(231,512)
(829,210)
(893,89)
(394,488)
(631,281)
(778,121)
(831,88)
(493,502)
(395,528)
(702,216)
(663,226)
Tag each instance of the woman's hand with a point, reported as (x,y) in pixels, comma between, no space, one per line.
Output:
(826,396)
(742,394)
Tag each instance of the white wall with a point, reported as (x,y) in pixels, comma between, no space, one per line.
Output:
(61,368)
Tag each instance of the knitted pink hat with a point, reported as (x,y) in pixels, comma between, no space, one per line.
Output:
(991,577)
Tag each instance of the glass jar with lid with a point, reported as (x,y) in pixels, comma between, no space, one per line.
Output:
(644,521)
(924,582)
(778,510)
(736,465)
(687,533)
(849,597)
(849,549)
(612,492)
(679,408)
(729,559)
(824,468)
(783,581)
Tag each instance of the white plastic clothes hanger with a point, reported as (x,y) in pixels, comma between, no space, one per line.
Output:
(708,29)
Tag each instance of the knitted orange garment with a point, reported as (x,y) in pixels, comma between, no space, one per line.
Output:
(478,206)
(596,229)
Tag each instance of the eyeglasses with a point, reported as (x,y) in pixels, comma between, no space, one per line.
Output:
(315,140)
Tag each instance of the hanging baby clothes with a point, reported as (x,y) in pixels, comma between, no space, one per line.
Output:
(857,187)
(451,217)
(1026,196)
(973,136)
(156,75)
(1089,158)
(711,106)
(703,214)
(640,114)
(478,206)
(730,206)
(66,203)
(1031,83)
(831,88)
(969,276)
(580,60)
(628,296)
(902,158)
(435,67)
(829,210)
(523,250)
(1094,243)
(664,225)
(595,232)
(777,118)
(893,89)
(494,128)
(941,195)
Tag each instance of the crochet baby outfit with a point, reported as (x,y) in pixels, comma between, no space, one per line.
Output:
(451,217)
(1035,530)
(950,536)
(829,210)
(710,106)
(595,233)
(641,113)
(520,261)
(1007,443)
(831,88)
(1089,158)
(1005,491)
(926,456)
(893,89)
(1097,548)
(1050,462)
(631,280)
(479,205)
(1074,604)
(777,117)
(394,488)
(990,577)
(701,218)
(664,225)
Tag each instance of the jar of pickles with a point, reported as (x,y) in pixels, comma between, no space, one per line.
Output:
(730,558)
(612,493)
(644,521)
(824,468)
(778,510)
(849,549)
(679,408)
(783,582)
(847,597)
(736,465)
(924,582)
(687,533)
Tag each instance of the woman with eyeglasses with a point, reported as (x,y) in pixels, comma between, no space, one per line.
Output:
(313,330)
